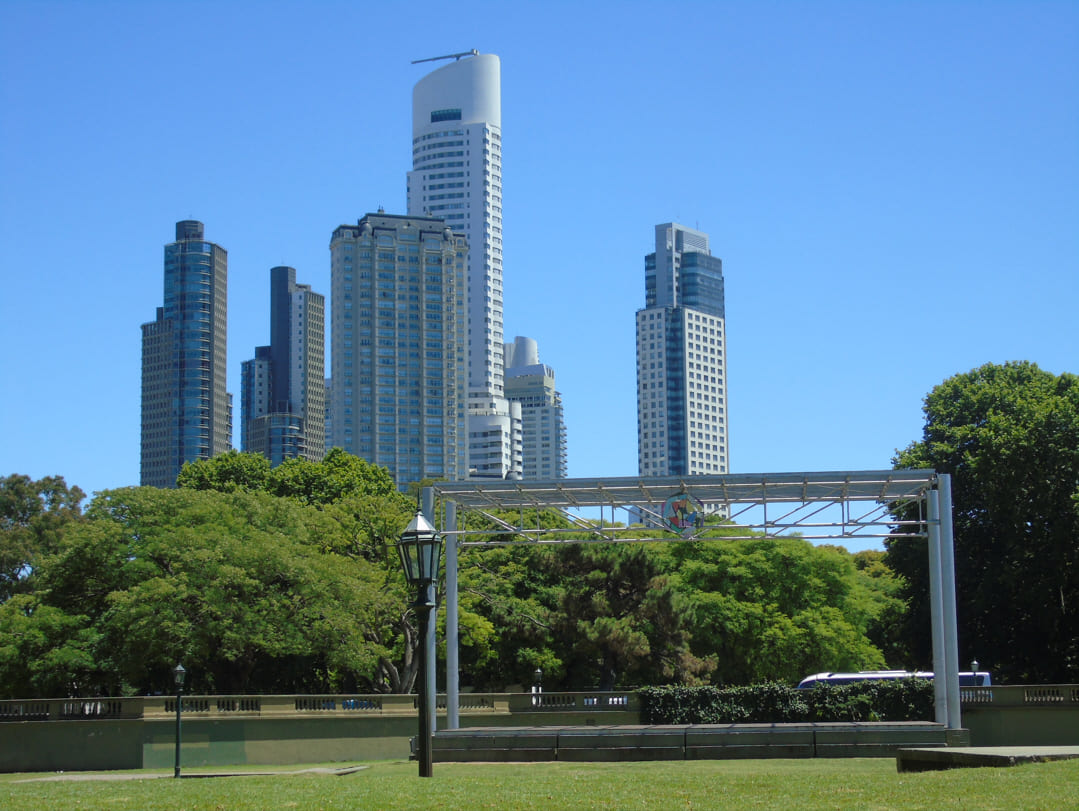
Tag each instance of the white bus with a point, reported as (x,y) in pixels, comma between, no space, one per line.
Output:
(969,678)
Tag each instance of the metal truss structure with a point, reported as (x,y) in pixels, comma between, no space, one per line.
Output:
(817,506)
(837,506)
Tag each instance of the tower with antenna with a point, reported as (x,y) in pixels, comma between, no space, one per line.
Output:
(456,56)
(457,176)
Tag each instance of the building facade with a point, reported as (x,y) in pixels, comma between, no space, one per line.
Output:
(457,176)
(531,385)
(399,341)
(186,409)
(681,359)
(283,401)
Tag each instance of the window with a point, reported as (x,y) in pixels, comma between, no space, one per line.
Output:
(445,115)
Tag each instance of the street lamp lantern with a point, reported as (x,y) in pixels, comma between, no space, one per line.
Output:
(420,547)
(178,674)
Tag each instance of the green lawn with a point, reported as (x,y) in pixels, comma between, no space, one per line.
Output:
(737,784)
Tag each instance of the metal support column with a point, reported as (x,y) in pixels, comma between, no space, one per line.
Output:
(951,623)
(936,606)
(453,679)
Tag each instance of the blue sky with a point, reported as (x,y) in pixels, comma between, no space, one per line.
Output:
(893,188)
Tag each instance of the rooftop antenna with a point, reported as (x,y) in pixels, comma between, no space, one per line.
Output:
(473,52)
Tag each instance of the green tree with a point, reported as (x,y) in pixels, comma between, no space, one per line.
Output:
(236,585)
(628,625)
(337,476)
(241,581)
(32,517)
(777,609)
(226,472)
(884,628)
(588,614)
(45,651)
(732,611)
(1009,436)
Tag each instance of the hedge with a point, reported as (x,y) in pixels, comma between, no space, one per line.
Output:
(775,703)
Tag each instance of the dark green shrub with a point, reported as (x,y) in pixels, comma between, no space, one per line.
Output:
(773,703)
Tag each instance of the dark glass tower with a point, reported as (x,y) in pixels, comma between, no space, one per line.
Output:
(283,387)
(186,409)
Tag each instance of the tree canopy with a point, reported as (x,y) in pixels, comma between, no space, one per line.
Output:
(286,579)
(236,586)
(719,611)
(1009,436)
(339,475)
(32,516)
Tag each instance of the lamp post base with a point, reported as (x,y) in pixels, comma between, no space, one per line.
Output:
(424,704)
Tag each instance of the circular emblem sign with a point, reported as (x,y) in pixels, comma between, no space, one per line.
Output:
(683,513)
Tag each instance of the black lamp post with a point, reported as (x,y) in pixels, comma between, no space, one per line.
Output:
(420,548)
(178,674)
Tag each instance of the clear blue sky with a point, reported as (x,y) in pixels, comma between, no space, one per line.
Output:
(893,188)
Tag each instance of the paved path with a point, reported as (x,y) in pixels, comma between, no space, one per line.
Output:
(961,757)
(186,774)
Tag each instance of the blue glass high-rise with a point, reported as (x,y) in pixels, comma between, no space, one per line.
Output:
(186,408)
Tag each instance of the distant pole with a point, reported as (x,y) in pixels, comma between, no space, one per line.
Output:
(178,674)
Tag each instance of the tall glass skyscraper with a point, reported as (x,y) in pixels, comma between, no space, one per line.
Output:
(399,336)
(186,409)
(457,176)
(681,358)
(283,386)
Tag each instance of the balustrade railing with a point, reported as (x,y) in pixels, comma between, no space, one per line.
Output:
(1029,695)
(572,702)
(159,707)
(277,706)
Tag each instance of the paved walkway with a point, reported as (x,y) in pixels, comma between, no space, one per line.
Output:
(187,773)
(964,757)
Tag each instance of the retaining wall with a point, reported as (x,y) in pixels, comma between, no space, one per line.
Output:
(134,733)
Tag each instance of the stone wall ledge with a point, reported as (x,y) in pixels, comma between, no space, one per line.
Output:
(686,742)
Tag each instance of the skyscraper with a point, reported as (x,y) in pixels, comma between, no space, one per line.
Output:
(457,175)
(399,337)
(681,358)
(186,410)
(283,386)
(531,385)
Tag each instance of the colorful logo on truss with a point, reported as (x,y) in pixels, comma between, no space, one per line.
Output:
(683,513)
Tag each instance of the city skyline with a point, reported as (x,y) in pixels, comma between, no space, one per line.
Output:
(893,191)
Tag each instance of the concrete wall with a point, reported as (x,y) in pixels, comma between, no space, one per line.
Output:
(138,733)
(1025,715)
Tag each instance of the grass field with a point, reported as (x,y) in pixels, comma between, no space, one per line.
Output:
(736,784)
